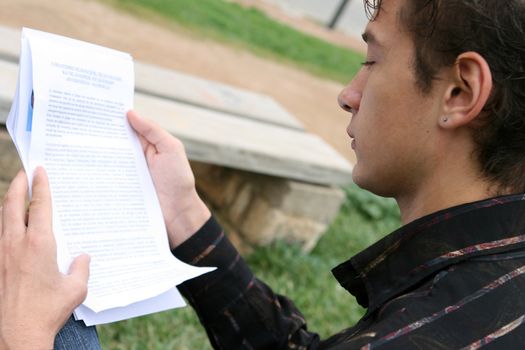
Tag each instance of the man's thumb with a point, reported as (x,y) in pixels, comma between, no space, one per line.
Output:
(79,269)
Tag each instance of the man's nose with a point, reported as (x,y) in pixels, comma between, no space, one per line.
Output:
(350,97)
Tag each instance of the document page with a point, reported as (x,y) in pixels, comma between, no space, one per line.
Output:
(70,118)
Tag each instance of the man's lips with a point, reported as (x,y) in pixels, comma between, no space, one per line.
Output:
(351,134)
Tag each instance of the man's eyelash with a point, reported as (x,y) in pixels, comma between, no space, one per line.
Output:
(368,63)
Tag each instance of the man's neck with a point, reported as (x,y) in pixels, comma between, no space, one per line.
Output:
(442,196)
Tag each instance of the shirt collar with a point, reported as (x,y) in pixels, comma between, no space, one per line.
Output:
(419,249)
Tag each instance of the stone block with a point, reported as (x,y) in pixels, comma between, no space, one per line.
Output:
(219,184)
(260,209)
(259,226)
(320,203)
(300,230)
(264,224)
(239,206)
(237,240)
(9,160)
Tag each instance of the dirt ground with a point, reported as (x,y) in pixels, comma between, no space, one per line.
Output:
(310,99)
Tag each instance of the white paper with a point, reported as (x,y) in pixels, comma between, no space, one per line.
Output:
(165,301)
(104,202)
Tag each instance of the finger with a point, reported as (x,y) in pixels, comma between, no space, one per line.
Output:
(40,212)
(79,272)
(1,218)
(79,268)
(13,213)
(143,142)
(150,131)
(132,115)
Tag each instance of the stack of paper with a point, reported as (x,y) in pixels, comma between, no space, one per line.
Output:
(68,115)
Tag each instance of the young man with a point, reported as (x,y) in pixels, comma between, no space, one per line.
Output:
(438,123)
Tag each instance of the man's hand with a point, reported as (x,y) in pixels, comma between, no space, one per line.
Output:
(183,210)
(35,298)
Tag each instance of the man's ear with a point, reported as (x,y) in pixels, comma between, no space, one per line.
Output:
(469,89)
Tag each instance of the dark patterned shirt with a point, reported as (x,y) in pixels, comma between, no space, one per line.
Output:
(454,279)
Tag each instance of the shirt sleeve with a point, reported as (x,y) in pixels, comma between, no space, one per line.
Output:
(237,310)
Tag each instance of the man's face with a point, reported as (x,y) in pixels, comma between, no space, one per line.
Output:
(393,121)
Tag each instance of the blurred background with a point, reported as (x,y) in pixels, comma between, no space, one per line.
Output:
(280,48)
(346,16)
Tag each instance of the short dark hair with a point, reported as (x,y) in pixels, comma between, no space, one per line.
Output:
(441,31)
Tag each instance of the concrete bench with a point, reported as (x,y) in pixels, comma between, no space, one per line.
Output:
(264,174)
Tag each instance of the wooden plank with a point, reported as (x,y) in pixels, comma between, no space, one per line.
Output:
(8,79)
(177,86)
(9,43)
(224,139)
(219,138)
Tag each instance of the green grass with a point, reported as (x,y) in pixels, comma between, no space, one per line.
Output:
(305,278)
(249,28)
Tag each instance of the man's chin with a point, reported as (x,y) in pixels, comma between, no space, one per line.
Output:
(359,179)
(359,176)
(369,183)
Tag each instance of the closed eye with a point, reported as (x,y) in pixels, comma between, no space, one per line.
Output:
(368,63)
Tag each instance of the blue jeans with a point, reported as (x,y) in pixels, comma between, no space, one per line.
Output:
(75,335)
